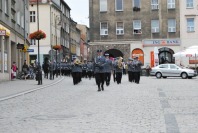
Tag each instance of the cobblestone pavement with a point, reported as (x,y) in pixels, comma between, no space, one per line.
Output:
(153,106)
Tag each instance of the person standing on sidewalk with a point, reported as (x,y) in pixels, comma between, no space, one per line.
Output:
(14,69)
(25,70)
(99,70)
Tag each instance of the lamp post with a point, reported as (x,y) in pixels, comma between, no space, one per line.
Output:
(38,64)
(56,19)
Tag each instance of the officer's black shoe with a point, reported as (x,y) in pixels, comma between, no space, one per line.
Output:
(99,89)
(102,88)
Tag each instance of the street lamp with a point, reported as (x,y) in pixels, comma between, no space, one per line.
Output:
(56,19)
(39,65)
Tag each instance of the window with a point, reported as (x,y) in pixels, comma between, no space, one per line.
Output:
(154,4)
(6,7)
(32,16)
(119,28)
(171,4)
(22,21)
(103,28)
(154,26)
(136,5)
(173,67)
(119,5)
(171,25)
(137,27)
(163,66)
(190,24)
(189,3)
(18,18)
(33,42)
(103,5)
(0,4)
(13,15)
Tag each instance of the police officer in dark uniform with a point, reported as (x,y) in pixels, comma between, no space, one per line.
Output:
(99,70)
(119,70)
(137,69)
(130,69)
(39,73)
(108,68)
(76,71)
(89,69)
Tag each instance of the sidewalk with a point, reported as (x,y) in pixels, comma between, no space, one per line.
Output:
(9,89)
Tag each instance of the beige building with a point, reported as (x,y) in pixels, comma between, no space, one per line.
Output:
(14,29)
(131,28)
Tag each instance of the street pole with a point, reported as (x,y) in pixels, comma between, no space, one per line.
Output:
(52,61)
(56,44)
(39,65)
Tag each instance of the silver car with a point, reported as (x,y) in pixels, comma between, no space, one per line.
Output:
(172,70)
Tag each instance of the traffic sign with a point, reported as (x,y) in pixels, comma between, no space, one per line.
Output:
(30,50)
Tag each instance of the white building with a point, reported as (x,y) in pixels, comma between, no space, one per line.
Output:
(49,22)
(188,27)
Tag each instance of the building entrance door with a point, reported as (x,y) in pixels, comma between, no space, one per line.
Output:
(166,55)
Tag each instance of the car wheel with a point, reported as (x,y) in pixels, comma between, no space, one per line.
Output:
(158,75)
(184,75)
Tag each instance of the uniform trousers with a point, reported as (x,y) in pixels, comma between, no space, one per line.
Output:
(118,77)
(137,77)
(131,76)
(100,79)
(76,77)
(107,78)
(89,73)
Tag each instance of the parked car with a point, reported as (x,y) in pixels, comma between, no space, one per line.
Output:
(172,70)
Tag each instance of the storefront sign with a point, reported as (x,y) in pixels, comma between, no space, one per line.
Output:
(161,42)
(4,31)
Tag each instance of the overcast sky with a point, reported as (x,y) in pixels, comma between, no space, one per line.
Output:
(79,11)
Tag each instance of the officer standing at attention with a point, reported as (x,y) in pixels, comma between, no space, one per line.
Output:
(99,63)
(137,69)
(108,68)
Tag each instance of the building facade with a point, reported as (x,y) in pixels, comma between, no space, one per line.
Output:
(131,28)
(74,40)
(14,29)
(84,42)
(188,29)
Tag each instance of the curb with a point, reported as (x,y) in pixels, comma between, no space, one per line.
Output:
(29,91)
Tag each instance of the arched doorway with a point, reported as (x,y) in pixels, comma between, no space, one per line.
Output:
(138,52)
(113,53)
(166,55)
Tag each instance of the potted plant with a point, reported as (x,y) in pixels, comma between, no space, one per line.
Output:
(56,47)
(37,35)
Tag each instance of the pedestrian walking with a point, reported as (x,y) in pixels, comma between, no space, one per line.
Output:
(25,70)
(130,69)
(76,71)
(99,70)
(90,69)
(119,70)
(137,69)
(108,69)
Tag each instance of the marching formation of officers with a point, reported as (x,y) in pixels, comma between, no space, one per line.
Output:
(101,68)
